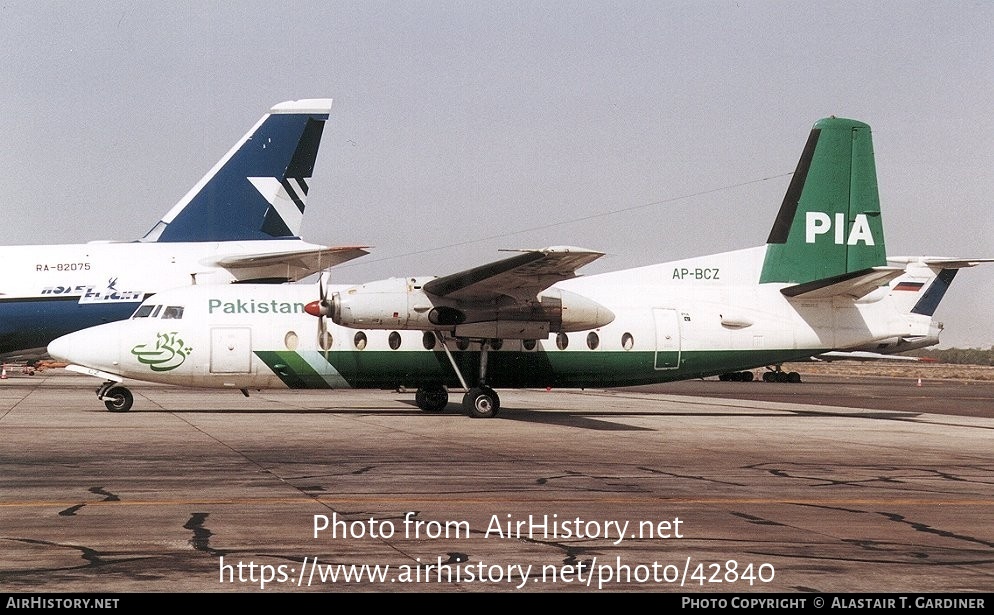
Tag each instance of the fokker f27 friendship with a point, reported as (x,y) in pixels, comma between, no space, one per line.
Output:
(241,222)
(821,283)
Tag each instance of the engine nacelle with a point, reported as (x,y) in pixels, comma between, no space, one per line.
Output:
(400,303)
(575,312)
(396,303)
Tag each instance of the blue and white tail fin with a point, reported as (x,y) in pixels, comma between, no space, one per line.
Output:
(259,188)
(925,281)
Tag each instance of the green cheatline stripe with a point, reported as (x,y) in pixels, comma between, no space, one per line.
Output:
(384,369)
(292,369)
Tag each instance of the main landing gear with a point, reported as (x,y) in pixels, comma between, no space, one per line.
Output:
(773,374)
(115,397)
(479,402)
(432,398)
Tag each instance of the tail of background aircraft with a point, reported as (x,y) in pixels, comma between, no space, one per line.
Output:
(258,189)
(926,280)
(922,286)
(829,226)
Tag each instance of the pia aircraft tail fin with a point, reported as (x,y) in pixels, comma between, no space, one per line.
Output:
(259,188)
(829,224)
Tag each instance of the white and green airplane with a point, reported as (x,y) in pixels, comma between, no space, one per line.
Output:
(821,283)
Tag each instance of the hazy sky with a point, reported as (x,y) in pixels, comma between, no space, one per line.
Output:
(649,130)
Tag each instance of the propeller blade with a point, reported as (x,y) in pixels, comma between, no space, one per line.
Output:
(324,339)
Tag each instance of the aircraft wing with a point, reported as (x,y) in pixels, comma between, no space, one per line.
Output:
(299,263)
(520,277)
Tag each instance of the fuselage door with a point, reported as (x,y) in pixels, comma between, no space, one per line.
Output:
(667,338)
(231,350)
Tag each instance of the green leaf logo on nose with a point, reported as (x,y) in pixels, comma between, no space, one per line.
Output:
(168,353)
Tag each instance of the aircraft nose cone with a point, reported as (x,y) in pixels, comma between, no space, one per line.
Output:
(61,348)
(88,348)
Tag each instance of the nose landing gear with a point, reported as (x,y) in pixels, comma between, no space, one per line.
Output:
(117,398)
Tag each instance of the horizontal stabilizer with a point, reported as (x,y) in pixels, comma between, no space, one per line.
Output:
(854,285)
(521,277)
(955,263)
(298,263)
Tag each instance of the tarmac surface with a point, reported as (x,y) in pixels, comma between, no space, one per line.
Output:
(832,485)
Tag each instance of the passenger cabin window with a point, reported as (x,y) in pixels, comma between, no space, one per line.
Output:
(173,311)
(627,341)
(428,340)
(593,340)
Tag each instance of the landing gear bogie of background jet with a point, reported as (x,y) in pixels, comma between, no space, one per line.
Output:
(481,402)
(117,399)
(432,398)
(736,377)
(781,376)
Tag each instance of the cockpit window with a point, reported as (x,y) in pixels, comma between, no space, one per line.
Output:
(173,311)
(143,311)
